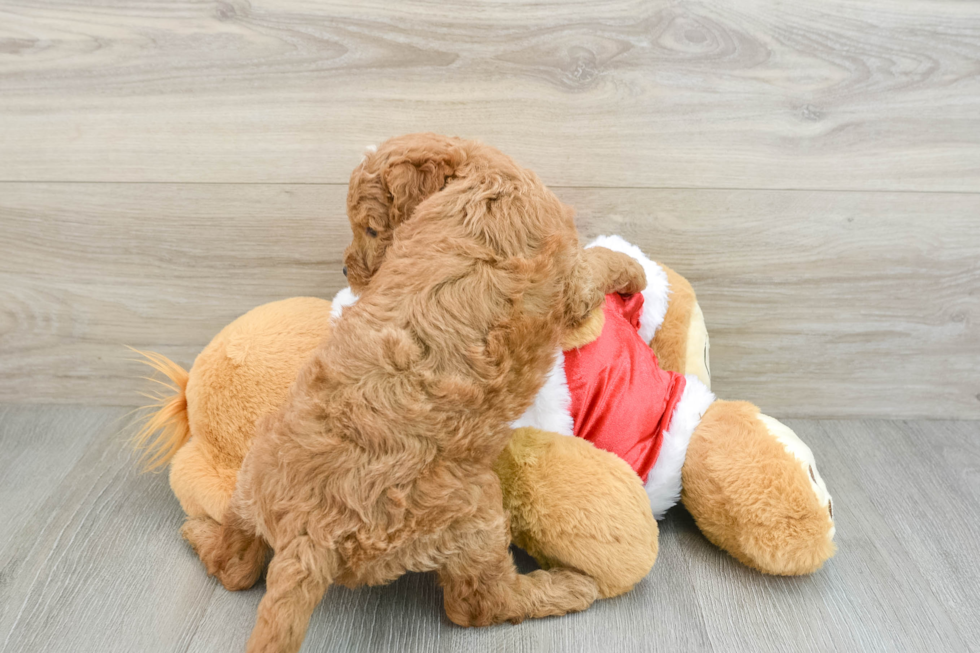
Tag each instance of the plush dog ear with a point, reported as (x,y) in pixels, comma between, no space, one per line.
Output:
(417,170)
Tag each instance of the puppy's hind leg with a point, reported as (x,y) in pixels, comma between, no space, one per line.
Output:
(231,551)
(482,586)
(235,556)
(299,575)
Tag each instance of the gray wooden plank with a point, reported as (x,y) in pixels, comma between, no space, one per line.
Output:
(838,94)
(100,566)
(958,454)
(912,474)
(39,446)
(103,568)
(86,269)
(818,304)
(753,612)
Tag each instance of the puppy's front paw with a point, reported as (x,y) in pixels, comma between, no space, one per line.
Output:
(632,279)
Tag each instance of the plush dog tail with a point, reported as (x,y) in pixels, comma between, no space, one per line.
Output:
(163,427)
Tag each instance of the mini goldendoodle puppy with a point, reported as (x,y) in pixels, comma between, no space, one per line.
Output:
(379,462)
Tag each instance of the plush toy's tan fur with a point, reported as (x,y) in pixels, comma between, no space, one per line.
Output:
(670,341)
(749,496)
(242,375)
(746,492)
(380,459)
(572,505)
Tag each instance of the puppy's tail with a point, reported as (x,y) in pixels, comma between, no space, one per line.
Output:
(163,428)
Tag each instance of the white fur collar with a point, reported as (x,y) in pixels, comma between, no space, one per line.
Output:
(551,410)
(344,298)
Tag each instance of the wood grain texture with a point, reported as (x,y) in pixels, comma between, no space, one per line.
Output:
(818,303)
(86,269)
(99,566)
(928,516)
(831,95)
(93,561)
(29,478)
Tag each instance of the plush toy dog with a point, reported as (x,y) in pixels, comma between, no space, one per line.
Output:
(632,385)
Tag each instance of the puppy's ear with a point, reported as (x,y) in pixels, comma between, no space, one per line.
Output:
(413,175)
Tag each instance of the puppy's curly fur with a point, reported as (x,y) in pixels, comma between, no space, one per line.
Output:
(380,460)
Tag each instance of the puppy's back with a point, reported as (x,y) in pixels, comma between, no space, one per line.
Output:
(469,300)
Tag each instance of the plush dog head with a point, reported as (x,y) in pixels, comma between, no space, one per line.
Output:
(384,191)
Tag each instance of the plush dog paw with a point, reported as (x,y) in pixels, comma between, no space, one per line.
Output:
(754,490)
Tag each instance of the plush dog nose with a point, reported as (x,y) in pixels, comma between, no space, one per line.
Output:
(345,270)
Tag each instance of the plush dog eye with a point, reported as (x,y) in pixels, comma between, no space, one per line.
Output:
(372,233)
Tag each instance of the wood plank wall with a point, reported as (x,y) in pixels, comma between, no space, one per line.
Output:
(812,168)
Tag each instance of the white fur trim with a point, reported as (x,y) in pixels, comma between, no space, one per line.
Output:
(664,482)
(341,300)
(655,296)
(551,410)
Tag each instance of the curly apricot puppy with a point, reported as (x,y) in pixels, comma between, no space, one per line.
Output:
(380,460)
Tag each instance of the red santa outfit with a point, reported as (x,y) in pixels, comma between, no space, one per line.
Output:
(621,401)
(613,393)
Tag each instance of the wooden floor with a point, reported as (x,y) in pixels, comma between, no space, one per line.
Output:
(91,560)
